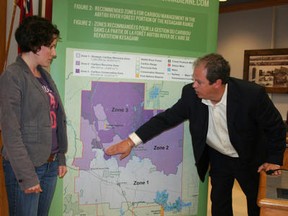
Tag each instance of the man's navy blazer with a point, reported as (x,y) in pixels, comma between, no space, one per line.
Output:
(256,129)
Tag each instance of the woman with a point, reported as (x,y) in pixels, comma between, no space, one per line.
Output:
(33,121)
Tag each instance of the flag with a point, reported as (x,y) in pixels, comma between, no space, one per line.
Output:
(46,9)
(26,8)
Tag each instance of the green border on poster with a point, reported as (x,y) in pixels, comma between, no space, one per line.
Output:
(63,18)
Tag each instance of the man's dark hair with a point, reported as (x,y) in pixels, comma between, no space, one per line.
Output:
(34,32)
(217,67)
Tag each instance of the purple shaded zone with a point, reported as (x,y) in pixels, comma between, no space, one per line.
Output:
(123,107)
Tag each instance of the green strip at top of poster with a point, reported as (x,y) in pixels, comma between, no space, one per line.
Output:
(175,27)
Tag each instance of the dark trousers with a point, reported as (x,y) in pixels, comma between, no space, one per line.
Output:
(223,171)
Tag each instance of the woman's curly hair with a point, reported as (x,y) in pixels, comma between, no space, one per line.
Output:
(34,32)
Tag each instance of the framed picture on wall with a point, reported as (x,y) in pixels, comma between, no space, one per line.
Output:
(267,67)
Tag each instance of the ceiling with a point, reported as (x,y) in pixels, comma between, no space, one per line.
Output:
(236,5)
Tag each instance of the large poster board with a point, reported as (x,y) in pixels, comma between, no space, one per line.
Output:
(118,64)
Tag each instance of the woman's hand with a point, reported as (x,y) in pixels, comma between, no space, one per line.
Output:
(34,189)
(62,170)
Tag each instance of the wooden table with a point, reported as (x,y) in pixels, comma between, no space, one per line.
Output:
(269,202)
(285,160)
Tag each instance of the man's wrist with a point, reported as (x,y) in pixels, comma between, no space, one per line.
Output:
(130,143)
(135,139)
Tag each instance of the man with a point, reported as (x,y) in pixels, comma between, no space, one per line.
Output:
(235,129)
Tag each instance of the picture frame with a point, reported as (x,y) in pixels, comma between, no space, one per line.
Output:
(267,67)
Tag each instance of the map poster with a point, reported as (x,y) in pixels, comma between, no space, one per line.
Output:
(118,64)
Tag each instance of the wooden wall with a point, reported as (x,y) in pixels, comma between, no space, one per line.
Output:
(3,9)
(3,12)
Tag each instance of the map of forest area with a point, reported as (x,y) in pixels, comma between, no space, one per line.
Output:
(147,182)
